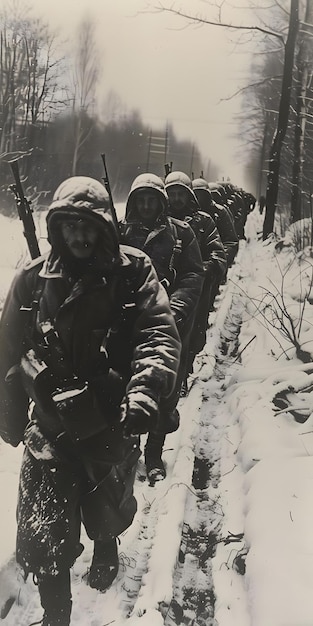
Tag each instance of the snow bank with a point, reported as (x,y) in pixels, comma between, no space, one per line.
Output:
(267,461)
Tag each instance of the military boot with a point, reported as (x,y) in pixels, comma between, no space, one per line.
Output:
(56,599)
(104,565)
(153,452)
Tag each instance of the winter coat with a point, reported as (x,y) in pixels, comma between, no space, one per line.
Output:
(210,244)
(114,321)
(220,197)
(235,204)
(186,207)
(95,331)
(223,223)
(175,254)
(181,271)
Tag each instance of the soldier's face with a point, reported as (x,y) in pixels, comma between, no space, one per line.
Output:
(148,206)
(178,197)
(80,237)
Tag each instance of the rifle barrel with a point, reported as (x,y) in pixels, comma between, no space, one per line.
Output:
(25,213)
(108,188)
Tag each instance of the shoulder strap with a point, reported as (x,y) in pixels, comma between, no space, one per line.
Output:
(32,309)
(173,229)
(177,249)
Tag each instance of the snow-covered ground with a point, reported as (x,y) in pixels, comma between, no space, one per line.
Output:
(226,538)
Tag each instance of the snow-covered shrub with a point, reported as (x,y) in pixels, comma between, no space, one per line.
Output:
(299,235)
(281,302)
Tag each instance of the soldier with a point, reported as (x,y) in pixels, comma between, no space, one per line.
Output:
(219,214)
(184,206)
(250,201)
(173,249)
(262,203)
(235,202)
(88,336)
(220,196)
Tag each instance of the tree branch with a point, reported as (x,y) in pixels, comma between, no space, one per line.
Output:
(200,20)
(251,85)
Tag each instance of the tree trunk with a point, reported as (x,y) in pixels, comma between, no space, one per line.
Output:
(283,115)
(304,65)
(77,136)
(262,160)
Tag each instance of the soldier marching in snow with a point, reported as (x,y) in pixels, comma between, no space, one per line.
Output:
(219,195)
(174,251)
(221,217)
(262,203)
(184,205)
(89,348)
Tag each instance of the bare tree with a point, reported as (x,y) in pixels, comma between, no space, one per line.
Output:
(85,80)
(191,18)
(285,94)
(27,74)
(282,122)
(304,78)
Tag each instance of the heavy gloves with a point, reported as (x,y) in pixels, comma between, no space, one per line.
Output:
(140,413)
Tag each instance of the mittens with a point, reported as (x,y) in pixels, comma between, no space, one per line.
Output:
(140,412)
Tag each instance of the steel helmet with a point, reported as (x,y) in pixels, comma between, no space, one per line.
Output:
(178,178)
(181,179)
(200,183)
(147,181)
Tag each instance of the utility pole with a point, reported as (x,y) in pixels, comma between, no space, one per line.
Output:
(149,149)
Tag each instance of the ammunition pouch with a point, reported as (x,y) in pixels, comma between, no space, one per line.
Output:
(84,408)
(79,411)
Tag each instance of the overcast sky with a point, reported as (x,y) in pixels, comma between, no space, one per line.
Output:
(167,70)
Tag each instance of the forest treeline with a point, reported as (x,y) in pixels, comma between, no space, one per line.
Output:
(49,157)
(51,120)
(275,127)
(277,109)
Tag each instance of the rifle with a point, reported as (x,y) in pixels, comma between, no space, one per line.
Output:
(168,168)
(107,185)
(24,212)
